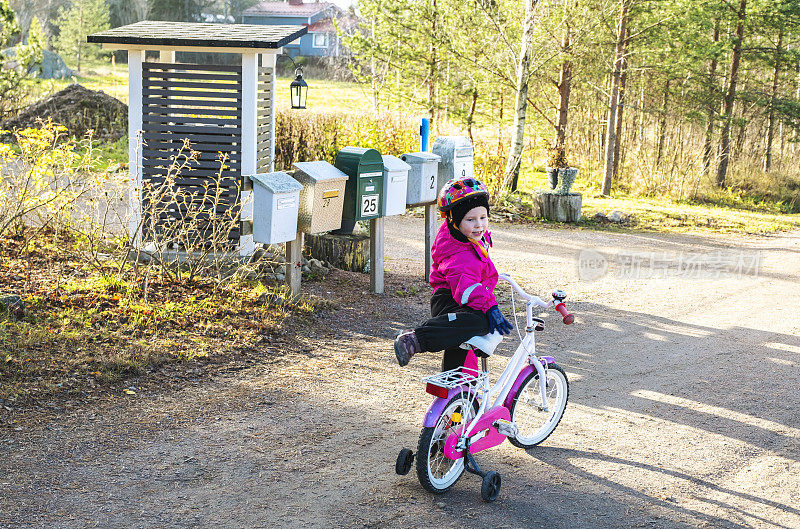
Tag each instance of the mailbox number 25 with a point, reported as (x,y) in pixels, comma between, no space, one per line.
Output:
(369,205)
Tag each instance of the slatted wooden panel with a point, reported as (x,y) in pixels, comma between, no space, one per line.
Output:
(201,103)
(264,120)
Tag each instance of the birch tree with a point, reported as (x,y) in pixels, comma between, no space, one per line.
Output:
(611,128)
(521,103)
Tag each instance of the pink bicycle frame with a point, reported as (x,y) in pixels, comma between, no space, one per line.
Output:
(487,416)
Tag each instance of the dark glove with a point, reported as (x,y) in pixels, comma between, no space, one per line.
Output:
(498,322)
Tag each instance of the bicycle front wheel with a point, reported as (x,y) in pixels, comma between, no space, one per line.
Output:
(435,471)
(534,424)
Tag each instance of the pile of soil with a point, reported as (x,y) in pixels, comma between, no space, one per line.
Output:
(79,109)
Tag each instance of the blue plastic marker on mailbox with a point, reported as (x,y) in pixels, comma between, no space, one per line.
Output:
(424,134)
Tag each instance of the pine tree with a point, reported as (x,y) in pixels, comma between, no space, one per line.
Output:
(83,18)
(178,10)
(13,71)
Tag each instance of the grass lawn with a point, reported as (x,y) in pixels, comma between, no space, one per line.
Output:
(668,214)
(324,95)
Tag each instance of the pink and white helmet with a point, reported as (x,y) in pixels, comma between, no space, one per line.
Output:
(458,189)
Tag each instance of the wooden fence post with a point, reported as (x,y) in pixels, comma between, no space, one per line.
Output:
(430,235)
(376,245)
(294,264)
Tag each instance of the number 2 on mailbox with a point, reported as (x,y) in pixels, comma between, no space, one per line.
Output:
(369,205)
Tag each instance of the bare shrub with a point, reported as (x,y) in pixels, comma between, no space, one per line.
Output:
(41,184)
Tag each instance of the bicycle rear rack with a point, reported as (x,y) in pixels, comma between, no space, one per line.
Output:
(458,377)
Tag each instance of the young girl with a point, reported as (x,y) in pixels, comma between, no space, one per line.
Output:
(462,276)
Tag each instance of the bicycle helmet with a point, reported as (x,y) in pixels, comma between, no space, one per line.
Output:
(458,192)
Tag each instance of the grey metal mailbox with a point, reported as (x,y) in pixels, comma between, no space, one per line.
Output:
(322,197)
(276,199)
(421,188)
(457,158)
(395,181)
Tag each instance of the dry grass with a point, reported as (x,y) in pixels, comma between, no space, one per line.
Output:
(83,330)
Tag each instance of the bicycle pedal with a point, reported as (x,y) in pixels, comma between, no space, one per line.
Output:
(505,427)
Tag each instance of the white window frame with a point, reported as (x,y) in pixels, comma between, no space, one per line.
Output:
(314,40)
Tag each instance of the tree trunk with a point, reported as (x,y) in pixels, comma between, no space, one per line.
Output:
(471,116)
(564,84)
(773,95)
(432,74)
(500,122)
(560,208)
(521,103)
(730,95)
(737,146)
(621,106)
(795,139)
(80,40)
(346,252)
(712,105)
(662,125)
(374,76)
(611,131)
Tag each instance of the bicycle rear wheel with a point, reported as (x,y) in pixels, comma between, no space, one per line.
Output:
(534,424)
(435,471)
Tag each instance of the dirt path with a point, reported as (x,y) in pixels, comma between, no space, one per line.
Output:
(684,409)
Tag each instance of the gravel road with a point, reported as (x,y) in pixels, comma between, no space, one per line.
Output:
(684,409)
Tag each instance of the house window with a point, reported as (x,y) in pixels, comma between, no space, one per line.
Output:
(320,40)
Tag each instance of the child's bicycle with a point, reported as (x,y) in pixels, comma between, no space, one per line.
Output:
(527,403)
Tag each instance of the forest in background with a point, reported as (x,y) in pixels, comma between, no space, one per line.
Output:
(650,97)
(690,99)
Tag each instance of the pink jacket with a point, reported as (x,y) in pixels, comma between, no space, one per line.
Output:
(461,267)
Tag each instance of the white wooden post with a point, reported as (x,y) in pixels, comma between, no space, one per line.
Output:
(376,245)
(167,56)
(430,234)
(135,146)
(248,145)
(272,60)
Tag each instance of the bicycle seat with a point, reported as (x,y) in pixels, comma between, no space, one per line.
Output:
(486,343)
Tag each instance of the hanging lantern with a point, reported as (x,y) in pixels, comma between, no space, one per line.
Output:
(298,89)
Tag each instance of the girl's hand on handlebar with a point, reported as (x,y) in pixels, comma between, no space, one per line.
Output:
(498,322)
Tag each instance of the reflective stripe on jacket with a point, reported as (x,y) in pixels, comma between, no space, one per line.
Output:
(462,268)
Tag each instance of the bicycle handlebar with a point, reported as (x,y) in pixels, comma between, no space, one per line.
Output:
(562,309)
(558,306)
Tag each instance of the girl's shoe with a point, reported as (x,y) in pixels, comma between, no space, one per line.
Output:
(406,345)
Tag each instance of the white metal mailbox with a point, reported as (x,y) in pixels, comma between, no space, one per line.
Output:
(422,177)
(457,158)
(395,181)
(276,198)
(322,197)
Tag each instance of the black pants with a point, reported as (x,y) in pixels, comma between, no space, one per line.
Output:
(449,327)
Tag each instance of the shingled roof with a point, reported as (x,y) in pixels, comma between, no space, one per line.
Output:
(200,35)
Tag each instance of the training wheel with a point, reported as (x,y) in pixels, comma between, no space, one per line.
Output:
(490,487)
(404,461)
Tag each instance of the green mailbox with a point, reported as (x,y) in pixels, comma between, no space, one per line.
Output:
(364,189)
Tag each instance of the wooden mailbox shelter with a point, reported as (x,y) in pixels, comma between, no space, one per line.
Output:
(222,109)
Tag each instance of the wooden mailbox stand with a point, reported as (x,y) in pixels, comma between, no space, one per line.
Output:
(227,109)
